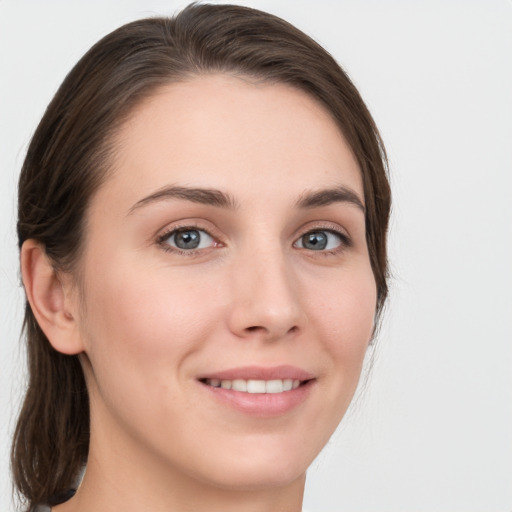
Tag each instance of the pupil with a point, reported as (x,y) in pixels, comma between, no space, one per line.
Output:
(187,239)
(316,241)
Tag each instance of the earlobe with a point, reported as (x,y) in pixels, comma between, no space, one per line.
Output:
(49,299)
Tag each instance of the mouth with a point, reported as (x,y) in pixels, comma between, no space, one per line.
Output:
(259,391)
(256,386)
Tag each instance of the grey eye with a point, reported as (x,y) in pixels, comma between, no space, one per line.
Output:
(189,239)
(319,240)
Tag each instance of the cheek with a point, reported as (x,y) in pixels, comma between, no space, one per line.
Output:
(143,329)
(345,316)
(342,316)
(141,324)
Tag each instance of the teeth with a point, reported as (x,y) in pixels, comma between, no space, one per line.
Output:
(255,386)
(226,384)
(239,385)
(287,384)
(274,386)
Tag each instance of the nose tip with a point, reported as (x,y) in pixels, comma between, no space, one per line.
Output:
(251,321)
(266,304)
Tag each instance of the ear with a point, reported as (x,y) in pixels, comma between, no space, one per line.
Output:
(51,299)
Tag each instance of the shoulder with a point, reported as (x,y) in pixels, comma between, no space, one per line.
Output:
(40,508)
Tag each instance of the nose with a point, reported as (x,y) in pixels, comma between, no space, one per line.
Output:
(265,299)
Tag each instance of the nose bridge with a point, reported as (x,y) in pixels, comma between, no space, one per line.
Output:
(265,294)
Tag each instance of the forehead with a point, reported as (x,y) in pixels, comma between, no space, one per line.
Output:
(232,134)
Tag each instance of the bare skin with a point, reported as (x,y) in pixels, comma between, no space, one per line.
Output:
(230,235)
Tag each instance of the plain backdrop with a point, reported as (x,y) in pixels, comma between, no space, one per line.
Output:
(432,432)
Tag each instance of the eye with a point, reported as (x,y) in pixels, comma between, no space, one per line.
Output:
(188,239)
(321,240)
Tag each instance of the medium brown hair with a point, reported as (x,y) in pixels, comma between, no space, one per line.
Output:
(69,156)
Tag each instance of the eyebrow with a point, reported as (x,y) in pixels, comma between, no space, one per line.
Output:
(206,196)
(329,196)
(213,197)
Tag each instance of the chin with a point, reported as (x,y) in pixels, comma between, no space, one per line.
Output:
(260,463)
(256,476)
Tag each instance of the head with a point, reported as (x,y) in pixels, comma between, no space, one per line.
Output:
(139,82)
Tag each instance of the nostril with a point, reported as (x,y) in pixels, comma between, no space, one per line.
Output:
(255,328)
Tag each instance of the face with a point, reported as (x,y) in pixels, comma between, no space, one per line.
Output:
(227,290)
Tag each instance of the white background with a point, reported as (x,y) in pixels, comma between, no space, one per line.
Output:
(433,431)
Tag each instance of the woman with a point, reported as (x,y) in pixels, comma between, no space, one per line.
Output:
(202,223)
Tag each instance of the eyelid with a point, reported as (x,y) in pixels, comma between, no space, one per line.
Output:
(331,227)
(184,226)
(336,229)
(324,225)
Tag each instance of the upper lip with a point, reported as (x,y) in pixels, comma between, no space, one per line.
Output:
(260,373)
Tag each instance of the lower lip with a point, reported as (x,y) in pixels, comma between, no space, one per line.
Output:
(262,404)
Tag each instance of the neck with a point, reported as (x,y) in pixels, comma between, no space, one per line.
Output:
(99,492)
(121,475)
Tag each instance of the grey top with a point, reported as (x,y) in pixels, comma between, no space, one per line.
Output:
(46,508)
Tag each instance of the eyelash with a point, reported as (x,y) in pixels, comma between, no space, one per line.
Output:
(345,241)
(162,240)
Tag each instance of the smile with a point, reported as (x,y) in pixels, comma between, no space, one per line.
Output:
(257,391)
(255,386)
